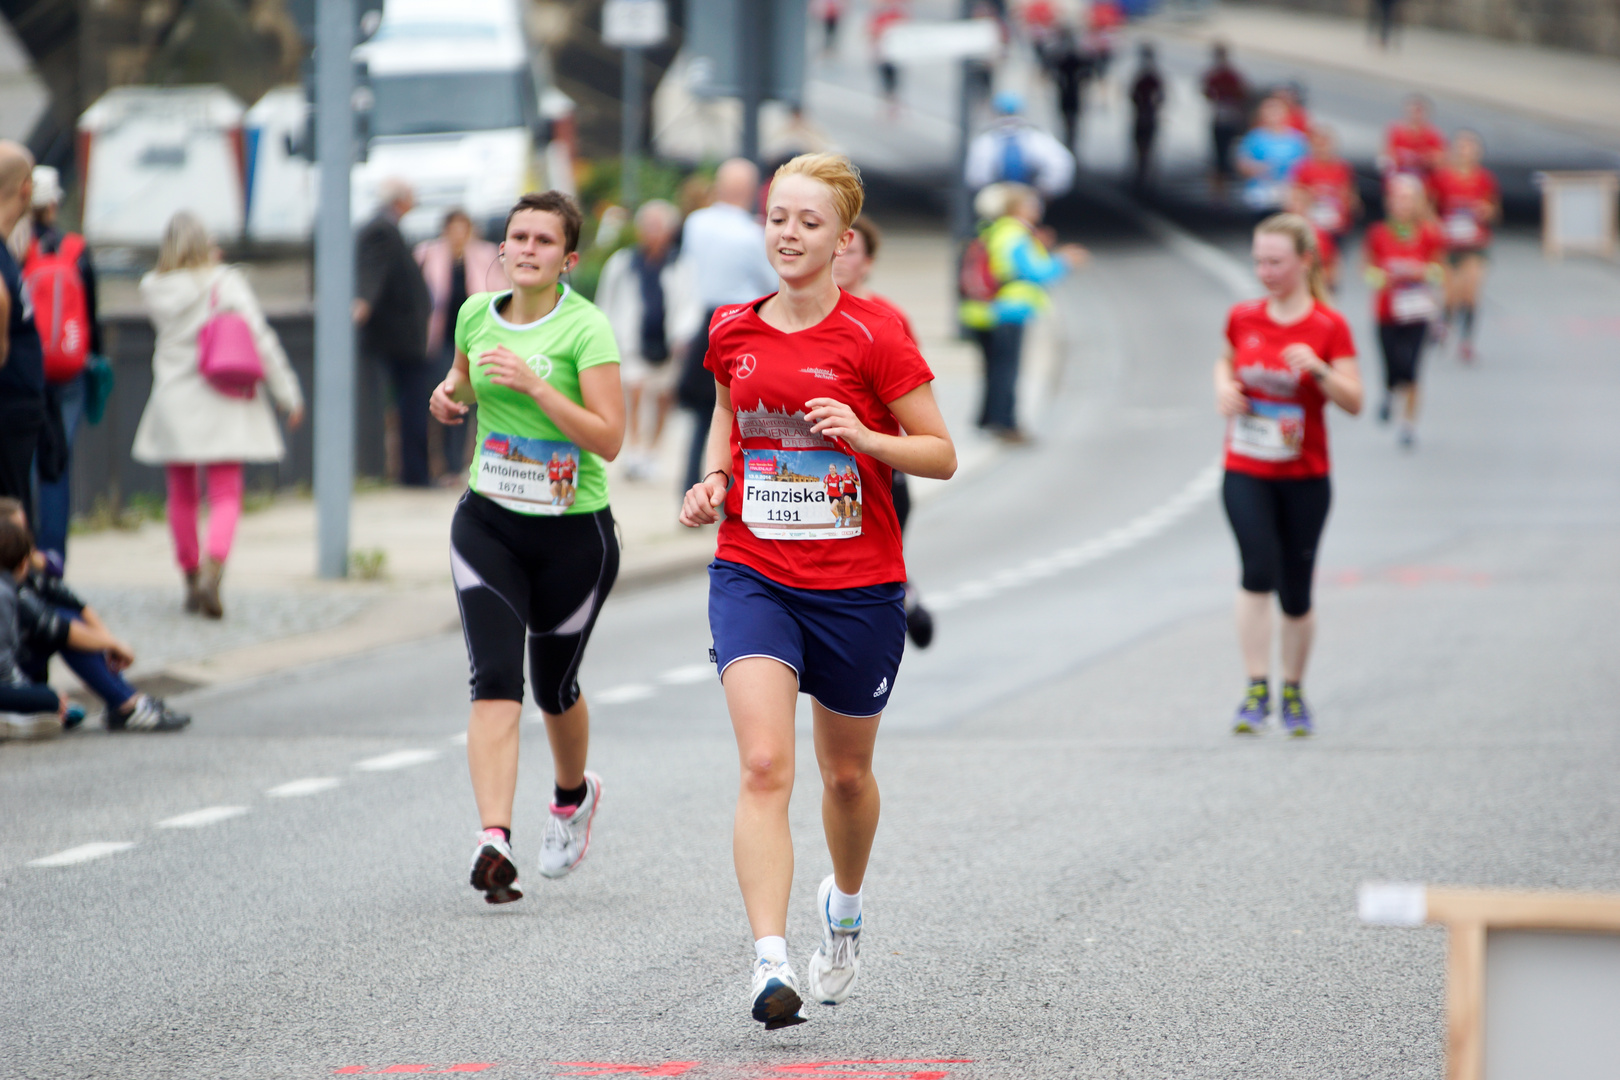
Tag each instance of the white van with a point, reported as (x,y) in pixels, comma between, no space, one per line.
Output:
(455,111)
(148,151)
(280,185)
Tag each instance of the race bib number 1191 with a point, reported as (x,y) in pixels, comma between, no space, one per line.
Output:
(801,495)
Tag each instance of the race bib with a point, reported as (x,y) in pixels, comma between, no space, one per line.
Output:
(529,476)
(1413,303)
(1270,431)
(1326,215)
(1462,229)
(801,495)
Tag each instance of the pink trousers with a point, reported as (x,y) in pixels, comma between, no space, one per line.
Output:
(224,507)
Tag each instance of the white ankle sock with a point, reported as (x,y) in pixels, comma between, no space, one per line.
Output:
(843,908)
(773,949)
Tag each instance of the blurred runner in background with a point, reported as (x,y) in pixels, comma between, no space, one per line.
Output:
(1469,202)
(1267,156)
(1403,264)
(1413,144)
(851,269)
(1228,96)
(1147,99)
(1324,191)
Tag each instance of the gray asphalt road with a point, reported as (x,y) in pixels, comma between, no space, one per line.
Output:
(1079,872)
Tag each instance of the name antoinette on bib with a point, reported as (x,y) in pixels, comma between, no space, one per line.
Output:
(806,490)
(530,476)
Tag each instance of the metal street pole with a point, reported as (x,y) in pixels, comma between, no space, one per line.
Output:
(754,45)
(334,286)
(630,130)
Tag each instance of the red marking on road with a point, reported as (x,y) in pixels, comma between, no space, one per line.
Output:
(407,1069)
(859,1070)
(608,1068)
(349,1070)
(471,1066)
(1413,576)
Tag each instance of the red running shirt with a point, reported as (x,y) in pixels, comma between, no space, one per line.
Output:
(1464,200)
(1404,259)
(1328,183)
(859,355)
(1413,150)
(1284,437)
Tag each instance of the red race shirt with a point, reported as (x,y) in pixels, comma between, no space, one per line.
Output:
(893,309)
(1404,260)
(1413,150)
(1283,437)
(779,520)
(1328,184)
(1465,201)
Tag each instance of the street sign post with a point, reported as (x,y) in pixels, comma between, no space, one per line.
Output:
(632,25)
(334,286)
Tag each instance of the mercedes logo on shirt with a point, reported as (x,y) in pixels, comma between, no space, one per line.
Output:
(540,364)
(745,365)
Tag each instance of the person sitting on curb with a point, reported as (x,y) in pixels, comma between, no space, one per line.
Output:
(19,693)
(51,619)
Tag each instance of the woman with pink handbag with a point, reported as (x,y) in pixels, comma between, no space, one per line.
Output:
(208,413)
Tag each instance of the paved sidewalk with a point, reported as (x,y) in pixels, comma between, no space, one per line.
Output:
(1567,88)
(279,615)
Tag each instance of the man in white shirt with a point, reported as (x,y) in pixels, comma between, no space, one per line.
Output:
(1014,149)
(723,254)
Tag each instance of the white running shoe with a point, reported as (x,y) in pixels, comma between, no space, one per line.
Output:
(568,832)
(775,995)
(493,872)
(837,960)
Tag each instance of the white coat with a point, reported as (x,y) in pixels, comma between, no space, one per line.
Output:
(186,420)
(618,294)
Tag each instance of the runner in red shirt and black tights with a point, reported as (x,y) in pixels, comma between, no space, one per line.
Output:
(1413,144)
(1469,203)
(1325,193)
(1403,264)
(799,601)
(1287,356)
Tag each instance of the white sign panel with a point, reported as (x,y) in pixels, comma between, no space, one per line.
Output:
(919,42)
(634,24)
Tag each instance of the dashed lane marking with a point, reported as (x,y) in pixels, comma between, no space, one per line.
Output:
(687,675)
(208,815)
(310,785)
(399,759)
(623,695)
(84,853)
(460,737)
(1134,532)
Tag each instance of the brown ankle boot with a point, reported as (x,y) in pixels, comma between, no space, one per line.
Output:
(193,603)
(208,589)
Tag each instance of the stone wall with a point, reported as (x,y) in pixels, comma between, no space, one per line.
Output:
(1586,25)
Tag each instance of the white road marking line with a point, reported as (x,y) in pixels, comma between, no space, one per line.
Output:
(399,759)
(460,737)
(1133,532)
(208,815)
(685,676)
(623,695)
(84,853)
(310,785)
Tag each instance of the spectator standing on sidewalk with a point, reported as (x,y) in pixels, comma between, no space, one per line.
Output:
(649,302)
(1147,100)
(59,264)
(1383,17)
(22,364)
(1228,95)
(723,250)
(457,264)
(189,427)
(1013,150)
(1022,270)
(392,308)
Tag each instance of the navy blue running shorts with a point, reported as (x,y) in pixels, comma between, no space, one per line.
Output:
(844,644)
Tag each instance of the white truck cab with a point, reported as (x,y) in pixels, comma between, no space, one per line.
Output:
(455,111)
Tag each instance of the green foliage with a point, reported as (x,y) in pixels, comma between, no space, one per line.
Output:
(598,190)
(368,564)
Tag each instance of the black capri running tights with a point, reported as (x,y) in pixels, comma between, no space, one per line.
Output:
(1402,345)
(1278,524)
(541,579)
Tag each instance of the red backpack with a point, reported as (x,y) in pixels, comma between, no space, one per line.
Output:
(61,310)
(977,281)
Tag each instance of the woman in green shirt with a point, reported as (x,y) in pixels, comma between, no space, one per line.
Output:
(532,546)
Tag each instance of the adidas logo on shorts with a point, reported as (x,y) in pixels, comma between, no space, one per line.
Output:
(883,687)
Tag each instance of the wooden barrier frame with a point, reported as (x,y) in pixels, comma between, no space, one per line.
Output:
(1553,186)
(1468,915)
